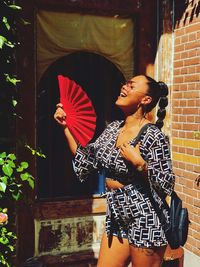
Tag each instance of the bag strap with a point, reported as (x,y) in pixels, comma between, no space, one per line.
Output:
(142,130)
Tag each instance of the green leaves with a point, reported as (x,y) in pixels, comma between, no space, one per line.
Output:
(7,169)
(7,241)
(2,187)
(12,80)
(3,40)
(36,152)
(5,21)
(15,7)
(13,175)
(12,156)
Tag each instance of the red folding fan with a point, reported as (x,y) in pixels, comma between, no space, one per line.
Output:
(80,114)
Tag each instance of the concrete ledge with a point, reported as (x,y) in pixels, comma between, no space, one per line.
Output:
(191,259)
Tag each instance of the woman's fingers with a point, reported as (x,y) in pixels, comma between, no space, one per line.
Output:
(59,105)
(60,115)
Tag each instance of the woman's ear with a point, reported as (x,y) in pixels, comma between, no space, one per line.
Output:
(146,100)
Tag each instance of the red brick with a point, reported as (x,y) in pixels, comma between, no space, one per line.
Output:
(192,78)
(197,68)
(177,40)
(190,192)
(190,118)
(177,110)
(190,94)
(184,70)
(189,151)
(177,72)
(177,56)
(192,36)
(191,103)
(179,48)
(192,28)
(191,45)
(197,152)
(198,35)
(191,61)
(191,86)
(178,64)
(184,38)
(197,119)
(192,53)
(189,175)
(191,111)
(179,32)
(195,226)
(182,134)
(197,169)
(178,188)
(182,118)
(197,204)
(182,150)
(189,199)
(178,95)
(183,102)
(196,249)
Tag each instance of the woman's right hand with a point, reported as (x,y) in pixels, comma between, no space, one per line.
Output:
(60,115)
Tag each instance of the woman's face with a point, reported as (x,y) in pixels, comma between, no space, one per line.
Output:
(132,93)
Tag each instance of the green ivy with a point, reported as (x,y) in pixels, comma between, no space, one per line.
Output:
(14,174)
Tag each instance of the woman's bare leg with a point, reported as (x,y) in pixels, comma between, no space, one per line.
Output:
(147,257)
(114,252)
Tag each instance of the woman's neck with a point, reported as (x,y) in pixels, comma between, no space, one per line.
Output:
(136,118)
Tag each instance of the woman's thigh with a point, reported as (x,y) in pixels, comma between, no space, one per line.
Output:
(114,252)
(148,257)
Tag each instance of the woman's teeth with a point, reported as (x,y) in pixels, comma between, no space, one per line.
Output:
(123,95)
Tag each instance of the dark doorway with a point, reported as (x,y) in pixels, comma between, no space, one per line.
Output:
(101,80)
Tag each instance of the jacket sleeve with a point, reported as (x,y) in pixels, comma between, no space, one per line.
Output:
(160,173)
(85,162)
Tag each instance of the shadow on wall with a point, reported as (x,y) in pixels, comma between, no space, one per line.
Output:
(190,9)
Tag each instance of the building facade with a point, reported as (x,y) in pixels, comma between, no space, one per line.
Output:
(81,39)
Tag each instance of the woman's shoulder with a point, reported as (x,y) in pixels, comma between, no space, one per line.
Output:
(154,133)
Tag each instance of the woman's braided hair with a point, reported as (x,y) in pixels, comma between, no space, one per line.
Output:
(158,91)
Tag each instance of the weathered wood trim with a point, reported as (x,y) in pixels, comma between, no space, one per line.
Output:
(69,208)
(103,7)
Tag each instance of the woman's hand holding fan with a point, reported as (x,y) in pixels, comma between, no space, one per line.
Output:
(78,113)
(60,115)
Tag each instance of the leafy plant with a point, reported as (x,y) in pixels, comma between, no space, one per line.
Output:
(12,177)
(14,174)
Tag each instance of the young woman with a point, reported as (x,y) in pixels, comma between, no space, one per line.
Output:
(135,174)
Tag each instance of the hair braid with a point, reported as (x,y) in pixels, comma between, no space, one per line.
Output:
(158,91)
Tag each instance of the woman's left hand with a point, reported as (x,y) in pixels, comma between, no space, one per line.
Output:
(132,154)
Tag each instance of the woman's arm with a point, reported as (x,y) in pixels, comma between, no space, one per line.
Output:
(60,117)
(160,173)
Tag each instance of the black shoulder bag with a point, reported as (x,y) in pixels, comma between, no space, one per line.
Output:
(176,229)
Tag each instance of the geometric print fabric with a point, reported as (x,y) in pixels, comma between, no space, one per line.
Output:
(130,214)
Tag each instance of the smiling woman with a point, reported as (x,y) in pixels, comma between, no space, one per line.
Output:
(134,175)
(131,92)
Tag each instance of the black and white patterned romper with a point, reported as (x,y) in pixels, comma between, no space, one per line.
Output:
(130,213)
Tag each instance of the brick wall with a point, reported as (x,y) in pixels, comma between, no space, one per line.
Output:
(186,113)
